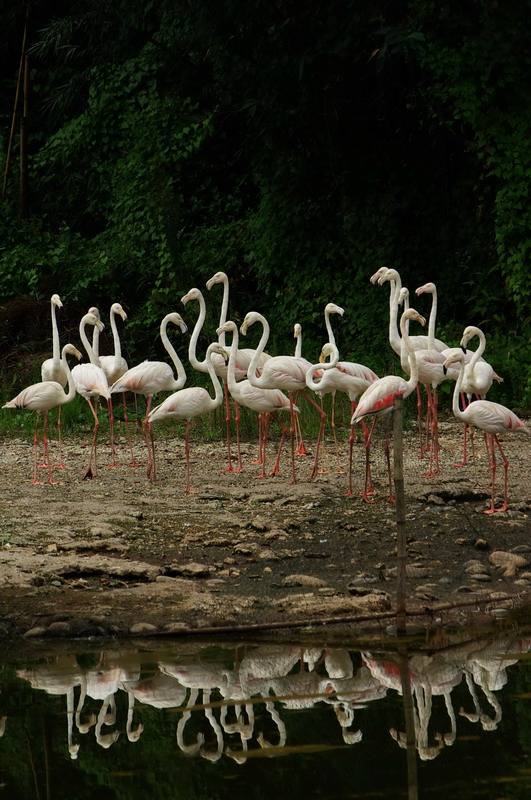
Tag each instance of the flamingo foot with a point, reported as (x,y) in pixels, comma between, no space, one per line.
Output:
(89,474)
(340,471)
(61,466)
(301,450)
(504,507)
(114,464)
(460,464)
(134,464)
(192,491)
(262,475)
(391,499)
(348,493)
(366,497)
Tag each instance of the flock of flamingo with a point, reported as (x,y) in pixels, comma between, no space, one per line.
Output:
(268,384)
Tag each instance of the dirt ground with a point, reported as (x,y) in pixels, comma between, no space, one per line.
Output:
(116,555)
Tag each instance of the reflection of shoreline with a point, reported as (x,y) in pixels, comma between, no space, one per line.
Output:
(238,708)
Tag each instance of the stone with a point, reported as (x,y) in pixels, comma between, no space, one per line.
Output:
(142,629)
(191,570)
(59,629)
(304,580)
(34,633)
(508,563)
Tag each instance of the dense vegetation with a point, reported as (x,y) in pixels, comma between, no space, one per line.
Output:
(296,146)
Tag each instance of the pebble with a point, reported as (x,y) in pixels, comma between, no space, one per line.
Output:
(142,629)
(507,562)
(34,633)
(59,628)
(303,580)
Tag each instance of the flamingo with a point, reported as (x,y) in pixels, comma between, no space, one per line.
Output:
(431,373)
(244,356)
(493,418)
(90,382)
(114,367)
(282,372)
(243,360)
(41,397)
(189,403)
(151,377)
(478,376)
(263,401)
(344,376)
(52,369)
(379,397)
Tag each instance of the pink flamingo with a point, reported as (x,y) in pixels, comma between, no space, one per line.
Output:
(90,382)
(151,377)
(114,366)
(263,401)
(189,403)
(287,373)
(41,397)
(379,397)
(493,418)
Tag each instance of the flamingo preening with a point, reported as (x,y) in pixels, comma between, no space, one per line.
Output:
(493,418)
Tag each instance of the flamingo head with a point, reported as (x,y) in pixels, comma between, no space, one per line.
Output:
(193,294)
(95,311)
(428,288)
(92,319)
(227,327)
(460,357)
(329,351)
(116,308)
(331,308)
(468,334)
(217,348)
(403,296)
(378,274)
(219,277)
(73,351)
(250,319)
(177,320)
(389,275)
(412,314)
(297,330)
(56,301)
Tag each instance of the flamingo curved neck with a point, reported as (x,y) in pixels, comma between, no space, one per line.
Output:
(218,390)
(315,385)
(331,337)
(56,351)
(394,336)
(71,384)
(181,374)
(231,372)
(414,374)
(116,341)
(432,320)
(192,357)
(253,378)
(224,310)
(479,351)
(298,346)
(93,358)
(458,414)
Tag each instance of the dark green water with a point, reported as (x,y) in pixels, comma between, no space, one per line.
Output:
(256,721)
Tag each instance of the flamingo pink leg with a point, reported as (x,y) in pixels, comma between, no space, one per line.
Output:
(111,432)
(229,467)
(292,437)
(90,472)
(493,439)
(61,464)
(319,435)
(237,421)
(369,488)
(133,462)
(284,431)
(187,454)
(419,417)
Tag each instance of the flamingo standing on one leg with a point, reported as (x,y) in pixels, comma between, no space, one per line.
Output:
(90,382)
(53,370)
(286,373)
(493,418)
(151,377)
(189,403)
(41,397)
(379,397)
(348,377)
(263,401)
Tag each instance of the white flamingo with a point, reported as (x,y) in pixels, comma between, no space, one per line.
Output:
(287,373)
(41,397)
(53,370)
(493,418)
(151,377)
(189,403)
(114,366)
(263,401)
(90,382)
(379,397)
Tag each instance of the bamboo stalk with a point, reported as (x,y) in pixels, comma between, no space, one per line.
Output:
(398,465)
(15,106)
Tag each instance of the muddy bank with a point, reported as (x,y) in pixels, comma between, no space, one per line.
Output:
(116,555)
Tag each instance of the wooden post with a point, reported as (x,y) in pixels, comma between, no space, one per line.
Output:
(398,465)
(14,117)
(23,193)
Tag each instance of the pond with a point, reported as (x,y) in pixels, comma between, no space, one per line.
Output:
(208,720)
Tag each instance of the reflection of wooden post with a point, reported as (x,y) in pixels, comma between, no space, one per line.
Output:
(409,718)
(24,144)
(398,464)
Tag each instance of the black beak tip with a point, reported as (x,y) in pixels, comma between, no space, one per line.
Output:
(445,371)
(463,349)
